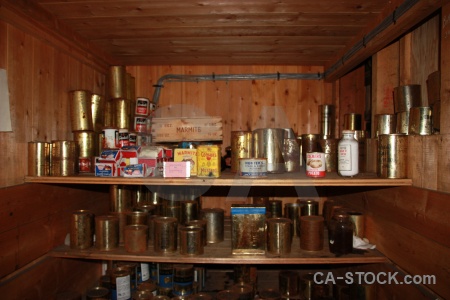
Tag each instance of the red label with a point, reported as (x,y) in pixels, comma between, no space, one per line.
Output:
(315,173)
(84,165)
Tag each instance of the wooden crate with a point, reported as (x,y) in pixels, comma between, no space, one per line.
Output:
(186,129)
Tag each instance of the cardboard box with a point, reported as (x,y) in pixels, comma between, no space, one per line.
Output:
(186,129)
(138,170)
(106,169)
(248,234)
(179,169)
(189,155)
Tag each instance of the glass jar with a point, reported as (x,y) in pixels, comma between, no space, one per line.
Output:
(340,234)
(348,154)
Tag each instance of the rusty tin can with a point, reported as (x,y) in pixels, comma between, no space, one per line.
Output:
(81,110)
(241,147)
(82,229)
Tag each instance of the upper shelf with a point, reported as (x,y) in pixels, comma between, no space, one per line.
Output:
(231,179)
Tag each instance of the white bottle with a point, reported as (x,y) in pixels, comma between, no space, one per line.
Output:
(348,154)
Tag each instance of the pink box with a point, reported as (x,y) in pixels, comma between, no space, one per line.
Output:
(180,169)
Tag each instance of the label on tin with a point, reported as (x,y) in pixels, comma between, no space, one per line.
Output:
(110,138)
(315,164)
(124,139)
(142,106)
(140,124)
(84,164)
(253,167)
(145,271)
(132,139)
(123,288)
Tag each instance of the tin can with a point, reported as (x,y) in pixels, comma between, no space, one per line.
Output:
(140,124)
(132,139)
(312,233)
(202,225)
(279,236)
(82,230)
(420,121)
(327,120)
(385,124)
(329,148)
(64,150)
(315,164)
(403,122)
(106,232)
(269,143)
(275,208)
(253,167)
(98,112)
(241,147)
(120,284)
(215,224)
(110,138)
(81,110)
(87,144)
(288,282)
(142,107)
(292,212)
(189,211)
(183,279)
(39,158)
(208,160)
(124,138)
(352,121)
(310,143)
(291,155)
(120,198)
(191,240)
(165,239)
(308,207)
(86,164)
(117,79)
(121,113)
(392,156)
(406,97)
(136,238)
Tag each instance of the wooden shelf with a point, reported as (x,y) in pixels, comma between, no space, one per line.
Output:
(231,179)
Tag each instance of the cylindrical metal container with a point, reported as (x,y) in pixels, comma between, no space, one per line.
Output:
(392,156)
(288,283)
(108,113)
(98,112)
(311,233)
(39,158)
(352,121)
(64,150)
(97,293)
(165,236)
(329,147)
(120,284)
(214,224)
(315,164)
(137,218)
(81,110)
(291,155)
(120,198)
(275,209)
(117,80)
(183,279)
(279,237)
(165,276)
(308,207)
(241,147)
(106,232)
(403,122)
(420,121)
(110,138)
(189,211)
(358,221)
(82,230)
(385,124)
(407,96)
(327,120)
(310,143)
(191,240)
(136,238)
(245,291)
(87,143)
(269,143)
(202,224)
(292,212)
(121,113)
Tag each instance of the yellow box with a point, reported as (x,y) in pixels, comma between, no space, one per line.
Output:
(208,160)
(187,155)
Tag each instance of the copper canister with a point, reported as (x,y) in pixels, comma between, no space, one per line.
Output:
(97,293)
(117,80)
(214,224)
(279,237)
(420,121)
(311,233)
(136,238)
(392,156)
(407,96)
(385,124)
(241,147)
(191,240)
(165,238)
(106,232)
(288,283)
(98,112)
(202,225)
(352,121)
(82,229)
(39,158)
(81,110)
(327,120)
(120,198)
(329,147)
(121,113)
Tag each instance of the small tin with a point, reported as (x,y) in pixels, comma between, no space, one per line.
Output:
(64,150)
(80,110)
(191,240)
(142,107)
(420,121)
(215,224)
(253,167)
(209,160)
(385,124)
(202,225)
(82,230)
(106,232)
(140,124)
(315,164)
(165,239)
(308,207)
(110,138)
(279,237)
(241,147)
(275,209)
(124,138)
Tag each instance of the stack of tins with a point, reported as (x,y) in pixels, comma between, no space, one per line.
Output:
(87,120)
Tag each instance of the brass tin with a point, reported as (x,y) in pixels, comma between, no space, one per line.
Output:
(327,120)
(137,218)
(279,236)
(97,293)
(121,113)
(39,158)
(81,110)
(392,156)
(189,211)
(82,230)
(64,167)
(202,225)
(165,236)
(191,240)
(106,232)
(352,121)
(117,80)
(87,143)
(120,198)
(406,97)
(311,233)
(288,283)
(420,121)
(268,143)
(136,238)
(64,150)
(291,155)
(241,147)
(292,212)
(403,122)
(214,224)
(308,207)
(329,147)
(248,229)
(385,124)
(98,112)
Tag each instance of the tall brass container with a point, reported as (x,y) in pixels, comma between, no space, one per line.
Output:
(327,120)
(241,147)
(121,113)
(81,110)
(165,237)
(214,224)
